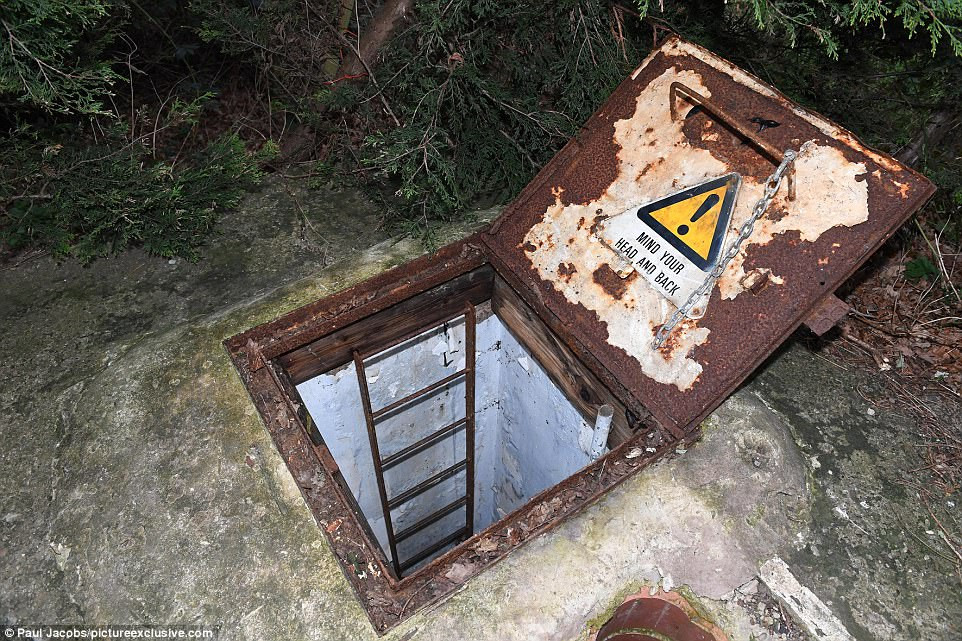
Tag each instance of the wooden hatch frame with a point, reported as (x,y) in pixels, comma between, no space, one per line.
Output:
(275,357)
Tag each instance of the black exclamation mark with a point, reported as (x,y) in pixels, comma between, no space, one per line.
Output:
(705,206)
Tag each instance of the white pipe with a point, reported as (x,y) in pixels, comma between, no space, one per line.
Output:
(599,440)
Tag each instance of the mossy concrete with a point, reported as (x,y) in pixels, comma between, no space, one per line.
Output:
(871,552)
(142,487)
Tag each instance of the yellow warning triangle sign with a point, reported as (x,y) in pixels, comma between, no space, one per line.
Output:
(695,220)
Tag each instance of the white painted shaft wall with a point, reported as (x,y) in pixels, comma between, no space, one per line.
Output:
(527,436)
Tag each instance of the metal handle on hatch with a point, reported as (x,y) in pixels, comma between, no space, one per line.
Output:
(772,152)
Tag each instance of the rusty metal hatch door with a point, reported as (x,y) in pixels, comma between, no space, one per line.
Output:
(683,118)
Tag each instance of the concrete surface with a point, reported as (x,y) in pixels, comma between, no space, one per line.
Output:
(141,487)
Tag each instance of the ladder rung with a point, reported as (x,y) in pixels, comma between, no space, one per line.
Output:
(421,445)
(430,519)
(421,392)
(424,486)
(428,551)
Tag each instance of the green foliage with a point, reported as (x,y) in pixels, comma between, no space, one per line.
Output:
(920,267)
(52,56)
(943,215)
(87,201)
(84,181)
(487,92)
(286,41)
(827,19)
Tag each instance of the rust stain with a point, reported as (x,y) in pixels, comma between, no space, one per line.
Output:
(611,283)
(597,220)
(672,161)
(775,214)
(676,346)
(649,166)
(565,270)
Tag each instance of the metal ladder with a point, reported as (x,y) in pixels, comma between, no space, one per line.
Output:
(467,464)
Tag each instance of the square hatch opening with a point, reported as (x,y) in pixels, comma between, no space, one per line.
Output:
(436,429)
(517,436)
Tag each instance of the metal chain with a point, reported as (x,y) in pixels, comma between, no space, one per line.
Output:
(771,188)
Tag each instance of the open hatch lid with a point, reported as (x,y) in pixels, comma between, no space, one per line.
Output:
(660,154)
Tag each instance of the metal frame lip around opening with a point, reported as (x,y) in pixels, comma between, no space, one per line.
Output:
(628,152)
(258,359)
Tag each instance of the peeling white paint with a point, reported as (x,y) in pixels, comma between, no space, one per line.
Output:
(820,172)
(646,172)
